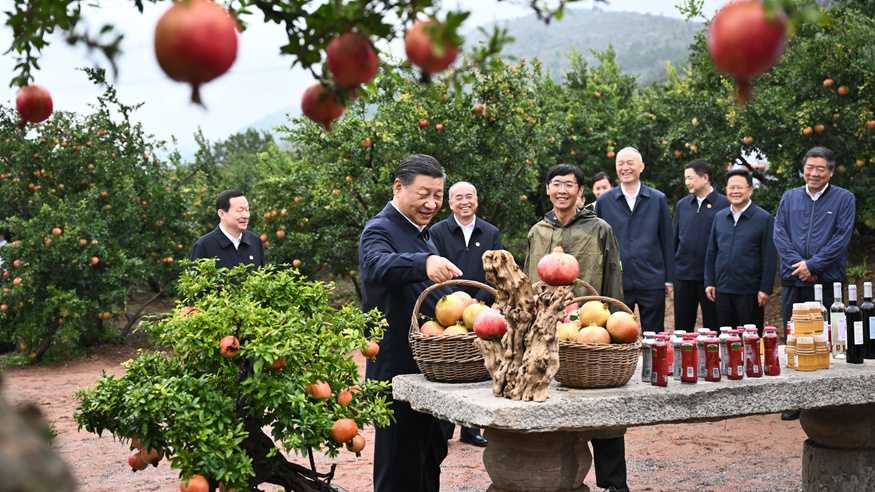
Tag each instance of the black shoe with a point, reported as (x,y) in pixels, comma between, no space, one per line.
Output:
(790,415)
(478,441)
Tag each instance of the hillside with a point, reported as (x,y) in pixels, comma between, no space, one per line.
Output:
(643,42)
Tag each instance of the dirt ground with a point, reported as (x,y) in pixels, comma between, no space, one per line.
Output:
(753,453)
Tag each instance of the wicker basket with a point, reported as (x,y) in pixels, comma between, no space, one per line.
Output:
(584,365)
(447,358)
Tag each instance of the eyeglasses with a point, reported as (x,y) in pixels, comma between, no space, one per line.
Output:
(566,185)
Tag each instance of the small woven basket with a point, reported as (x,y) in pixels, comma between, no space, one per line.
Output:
(585,365)
(447,358)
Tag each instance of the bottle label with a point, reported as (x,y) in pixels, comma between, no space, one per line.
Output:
(843,329)
(689,371)
(858,333)
(872,327)
(715,373)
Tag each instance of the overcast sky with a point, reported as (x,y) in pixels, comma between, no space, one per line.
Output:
(261,81)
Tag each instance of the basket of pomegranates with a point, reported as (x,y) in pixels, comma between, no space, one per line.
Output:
(597,348)
(443,347)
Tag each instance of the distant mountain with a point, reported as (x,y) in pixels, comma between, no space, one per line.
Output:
(643,42)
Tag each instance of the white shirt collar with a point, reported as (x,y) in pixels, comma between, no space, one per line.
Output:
(631,199)
(817,195)
(414,224)
(234,240)
(467,230)
(737,215)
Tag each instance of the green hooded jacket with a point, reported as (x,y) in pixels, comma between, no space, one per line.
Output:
(587,238)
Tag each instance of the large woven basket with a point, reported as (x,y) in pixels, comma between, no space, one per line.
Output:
(585,365)
(447,358)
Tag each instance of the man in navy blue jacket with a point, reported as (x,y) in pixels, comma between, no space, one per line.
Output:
(693,217)
(397,261)
(741,260)
(463,238)
(230,243)
(639,217)
(813,226)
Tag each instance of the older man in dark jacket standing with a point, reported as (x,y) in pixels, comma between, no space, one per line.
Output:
(230,243)
(741,260)
(463,238)
(397,261)
(641,223)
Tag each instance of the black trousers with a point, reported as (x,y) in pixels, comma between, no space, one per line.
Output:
(409,452)
(651,306)
(465,433)
(739,309)
(791,294)
(688,296)
(609,460)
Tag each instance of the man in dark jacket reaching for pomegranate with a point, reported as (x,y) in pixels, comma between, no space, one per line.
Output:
(397,261)
(591,240)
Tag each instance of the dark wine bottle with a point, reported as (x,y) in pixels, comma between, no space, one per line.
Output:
(837,323)
(854,320)
(868,312)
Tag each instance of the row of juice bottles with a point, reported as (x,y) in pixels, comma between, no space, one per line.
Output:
(705,355)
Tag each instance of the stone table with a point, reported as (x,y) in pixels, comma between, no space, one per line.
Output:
(542,447)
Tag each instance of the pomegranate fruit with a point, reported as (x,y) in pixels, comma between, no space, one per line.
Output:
(449,309)
(594,335)
(594,313)
(34,104)
(137,462)
(321,105)
(424,53)
(351,59)
(151,457)
(431,328)
(195,42)
(344,430)
(744,41)
(456,329)
(318,390)
(186,311)
(490,325)
(465,297)
(229,347)
(558,268)
(623,327)
(469,315)
(567,331)
(197,483)
(344,398)
(571,314)
(371,350)
(357,444)
(56,231)
(280,234)
(278,364)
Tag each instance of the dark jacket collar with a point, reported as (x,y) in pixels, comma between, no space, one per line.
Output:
(224,242)
(644,191)
(398,218)
(454,225)
(709,198)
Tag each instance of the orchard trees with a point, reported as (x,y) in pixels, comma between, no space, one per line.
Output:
(92,214)
(205,411)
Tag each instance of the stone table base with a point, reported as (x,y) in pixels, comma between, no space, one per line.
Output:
(839,454)
(537,462)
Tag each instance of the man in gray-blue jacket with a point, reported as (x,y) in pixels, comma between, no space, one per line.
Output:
(813,227)
(740,262)
(641,223)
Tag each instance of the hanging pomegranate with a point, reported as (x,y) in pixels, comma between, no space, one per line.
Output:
(34,104)
(745,40)
(195,42)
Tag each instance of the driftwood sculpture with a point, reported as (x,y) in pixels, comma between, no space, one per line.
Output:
(527,357)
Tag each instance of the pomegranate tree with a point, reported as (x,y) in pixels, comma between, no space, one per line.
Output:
(195,42)
(745,40)
(207,414)
(34,104)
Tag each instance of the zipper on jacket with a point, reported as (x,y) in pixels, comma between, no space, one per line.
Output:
(810,225)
